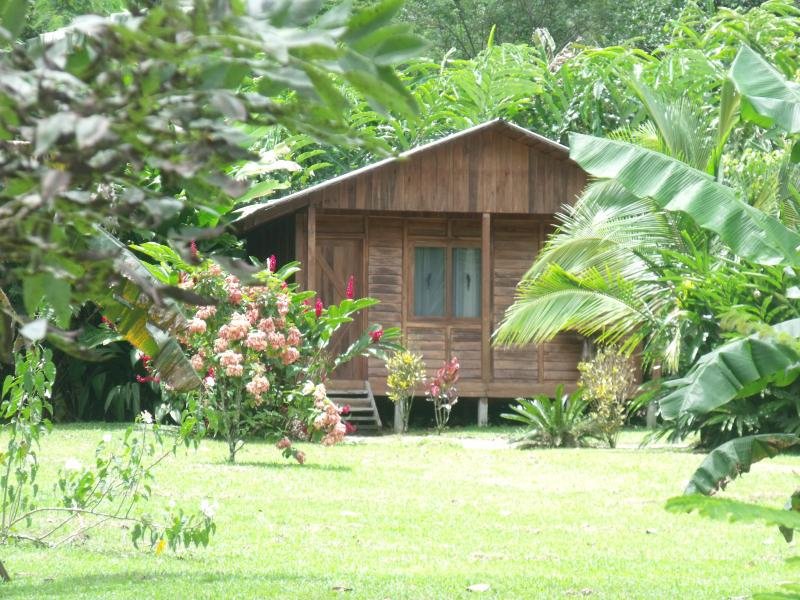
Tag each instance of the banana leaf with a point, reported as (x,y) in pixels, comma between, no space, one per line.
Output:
(740,368)
(769,99)
(724,509)
(733,458)
(675,186)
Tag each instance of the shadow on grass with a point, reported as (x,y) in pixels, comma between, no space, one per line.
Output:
(104,585)
(262,464)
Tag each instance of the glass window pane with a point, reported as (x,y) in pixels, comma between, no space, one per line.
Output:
(466,282)
(429,282)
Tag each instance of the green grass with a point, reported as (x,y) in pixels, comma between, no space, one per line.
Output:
(424,517)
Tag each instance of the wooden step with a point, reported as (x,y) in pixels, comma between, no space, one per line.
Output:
(363,411)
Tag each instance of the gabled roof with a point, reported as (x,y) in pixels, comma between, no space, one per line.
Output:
(256,214)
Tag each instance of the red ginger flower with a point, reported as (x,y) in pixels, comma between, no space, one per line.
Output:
(350,291)
(272,263)
(193,249)
(376,335)
(318,308)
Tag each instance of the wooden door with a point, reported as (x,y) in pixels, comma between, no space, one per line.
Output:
(338,259)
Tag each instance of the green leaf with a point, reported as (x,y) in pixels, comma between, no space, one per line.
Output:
(674,186)
(370,18)
(733,458)
(724,509)
(738,368)
(264,188)
(772,99)
(12,16)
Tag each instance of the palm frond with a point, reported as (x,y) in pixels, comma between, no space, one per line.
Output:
(594,303)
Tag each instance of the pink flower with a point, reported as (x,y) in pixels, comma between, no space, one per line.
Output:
(349,428)
(320,393)
(280,323)
(293,336)
(283,304)
(252,316)
(284,442)
(272,263)
(266,325)
(256,340)
(234,370)
(276,340)
(220,344)
(318,307)
(257,386)
(345,410)
(214,269)
(376,335)
(229,358)
(193,249)
(206,312)
(235,295)
(290,355)
(238,327)
(196,326)
(300,457)
(350,291)
(197,362)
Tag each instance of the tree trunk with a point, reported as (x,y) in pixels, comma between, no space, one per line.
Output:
(3,573)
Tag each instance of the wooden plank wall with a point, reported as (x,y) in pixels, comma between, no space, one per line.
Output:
(388,241)
(485,172)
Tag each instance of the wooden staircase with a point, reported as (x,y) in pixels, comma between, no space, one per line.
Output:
(363,412)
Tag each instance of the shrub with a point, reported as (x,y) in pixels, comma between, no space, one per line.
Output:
(107,490)
(608,380)
(262,350)
(443,393)
(406,371)
(560,422)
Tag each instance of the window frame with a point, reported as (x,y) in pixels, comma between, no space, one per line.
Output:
(448,245)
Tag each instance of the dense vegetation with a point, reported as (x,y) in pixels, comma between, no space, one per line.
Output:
(126,143)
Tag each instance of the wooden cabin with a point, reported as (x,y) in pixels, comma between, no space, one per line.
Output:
(441,235)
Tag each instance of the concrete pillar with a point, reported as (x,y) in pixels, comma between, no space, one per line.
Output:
(398,418)
(483,412)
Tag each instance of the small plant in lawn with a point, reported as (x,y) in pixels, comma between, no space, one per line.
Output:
(406,372)
(443,393)
(109,490)
(608,380)
(263,352)
(560,422)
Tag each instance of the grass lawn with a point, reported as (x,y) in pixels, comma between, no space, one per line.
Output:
(424,517)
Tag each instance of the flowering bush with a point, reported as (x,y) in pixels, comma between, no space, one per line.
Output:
(262,350)
(443,393)
(406,371)
(608,381)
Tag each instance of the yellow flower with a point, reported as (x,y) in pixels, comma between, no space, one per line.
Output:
(161,546)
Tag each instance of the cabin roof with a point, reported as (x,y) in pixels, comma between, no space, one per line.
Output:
(254,215)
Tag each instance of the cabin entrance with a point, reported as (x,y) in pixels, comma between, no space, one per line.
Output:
(338,258)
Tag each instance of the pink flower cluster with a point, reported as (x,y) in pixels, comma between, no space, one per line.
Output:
(257,387)
(232,363)
(330,421)
(234,289)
